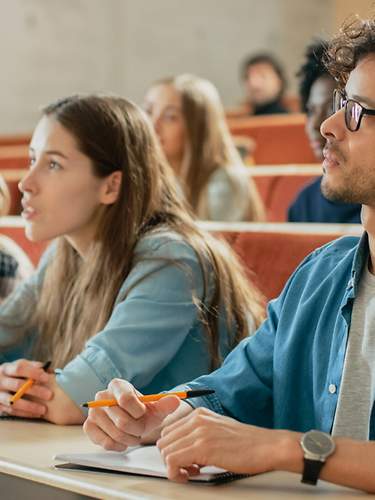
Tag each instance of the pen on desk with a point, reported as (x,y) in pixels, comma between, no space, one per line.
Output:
(26,386)
(151,398)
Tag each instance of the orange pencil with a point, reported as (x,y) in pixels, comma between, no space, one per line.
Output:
(26,386)
(151,398)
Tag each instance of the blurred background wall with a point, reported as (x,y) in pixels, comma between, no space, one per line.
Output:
(51,48)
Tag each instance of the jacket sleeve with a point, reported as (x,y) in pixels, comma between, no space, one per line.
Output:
(146,329)
(243,385)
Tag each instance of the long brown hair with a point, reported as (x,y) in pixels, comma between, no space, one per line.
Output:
(210,146)
(78,295)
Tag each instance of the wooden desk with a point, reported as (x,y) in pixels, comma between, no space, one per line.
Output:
(27,448)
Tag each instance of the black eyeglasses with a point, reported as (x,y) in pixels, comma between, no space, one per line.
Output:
(353,110)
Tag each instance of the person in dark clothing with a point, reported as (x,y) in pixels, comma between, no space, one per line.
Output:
(265,83)
(15,265)
(311,206)
(316,88)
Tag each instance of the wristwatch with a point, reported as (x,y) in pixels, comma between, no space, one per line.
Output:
(317,446)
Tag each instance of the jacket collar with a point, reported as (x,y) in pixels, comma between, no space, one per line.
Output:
(360,260)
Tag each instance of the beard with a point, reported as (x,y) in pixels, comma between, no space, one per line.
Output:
(342,194)
(349,190)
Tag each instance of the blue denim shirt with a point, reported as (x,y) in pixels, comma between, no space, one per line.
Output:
(154,336)
(288,375)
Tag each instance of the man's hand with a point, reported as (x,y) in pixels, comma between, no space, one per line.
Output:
(12,377)
(206,438)
(117,427)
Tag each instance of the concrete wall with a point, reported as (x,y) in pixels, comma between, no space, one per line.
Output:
(50,48)
(346,8)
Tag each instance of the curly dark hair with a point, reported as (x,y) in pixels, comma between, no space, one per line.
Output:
(355,40)
(312,69)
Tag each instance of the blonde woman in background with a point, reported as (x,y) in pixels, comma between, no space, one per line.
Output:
(189,120)
(14,263)
(131,287)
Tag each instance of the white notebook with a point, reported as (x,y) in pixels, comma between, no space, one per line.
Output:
(143,460)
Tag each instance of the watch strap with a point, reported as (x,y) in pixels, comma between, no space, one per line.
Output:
(311,471)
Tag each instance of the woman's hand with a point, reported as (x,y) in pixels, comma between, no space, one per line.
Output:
(128,424)
(12,377)
(206,438)
(61,409)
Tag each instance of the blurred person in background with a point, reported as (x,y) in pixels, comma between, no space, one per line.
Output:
(14,263)
(264,82)
(316,90)
(189,120)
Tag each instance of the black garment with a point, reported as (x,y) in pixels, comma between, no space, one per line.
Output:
(8,274)
(311,206)
(271,108)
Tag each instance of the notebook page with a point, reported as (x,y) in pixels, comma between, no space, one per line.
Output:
(139,460)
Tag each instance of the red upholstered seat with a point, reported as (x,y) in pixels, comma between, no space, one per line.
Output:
(271,252)
(278,192)
(270,258)
(17,234)
(279,139)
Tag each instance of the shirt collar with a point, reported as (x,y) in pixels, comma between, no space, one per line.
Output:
(360,260)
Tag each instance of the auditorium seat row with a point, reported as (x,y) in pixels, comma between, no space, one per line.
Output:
(270,252)
(278,139)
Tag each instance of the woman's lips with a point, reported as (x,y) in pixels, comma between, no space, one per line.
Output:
(28,213)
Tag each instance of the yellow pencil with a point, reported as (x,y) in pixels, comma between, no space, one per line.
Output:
(26,386)
(150,398)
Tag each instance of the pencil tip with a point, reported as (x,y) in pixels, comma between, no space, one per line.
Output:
(85,405)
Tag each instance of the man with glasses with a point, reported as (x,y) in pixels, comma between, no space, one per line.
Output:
(299,394)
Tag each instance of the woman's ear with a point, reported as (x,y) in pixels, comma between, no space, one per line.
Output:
(111,188)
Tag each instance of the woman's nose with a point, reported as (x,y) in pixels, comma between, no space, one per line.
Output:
(156,123)
(27,183)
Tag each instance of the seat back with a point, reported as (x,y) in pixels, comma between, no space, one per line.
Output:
(271,252)
(13,227)
(279,139)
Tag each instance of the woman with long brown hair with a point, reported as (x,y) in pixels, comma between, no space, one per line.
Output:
(189,120)
(130,287)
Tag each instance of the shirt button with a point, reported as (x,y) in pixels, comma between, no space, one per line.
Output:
(332,388)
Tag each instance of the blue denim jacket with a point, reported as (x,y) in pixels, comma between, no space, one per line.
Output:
(154,336)
(288,374)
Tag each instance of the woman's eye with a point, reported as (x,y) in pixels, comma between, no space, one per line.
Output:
(53,165)
(171,117)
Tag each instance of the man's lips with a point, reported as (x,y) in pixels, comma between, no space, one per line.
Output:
(330,158)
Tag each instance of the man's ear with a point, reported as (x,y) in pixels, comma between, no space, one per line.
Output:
(111,188)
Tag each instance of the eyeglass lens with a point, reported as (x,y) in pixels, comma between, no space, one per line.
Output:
(353,110)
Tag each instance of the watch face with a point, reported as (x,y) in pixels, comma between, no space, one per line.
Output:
(318,443)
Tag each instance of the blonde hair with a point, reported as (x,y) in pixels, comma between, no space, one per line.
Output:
(78,295)
(210,146)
